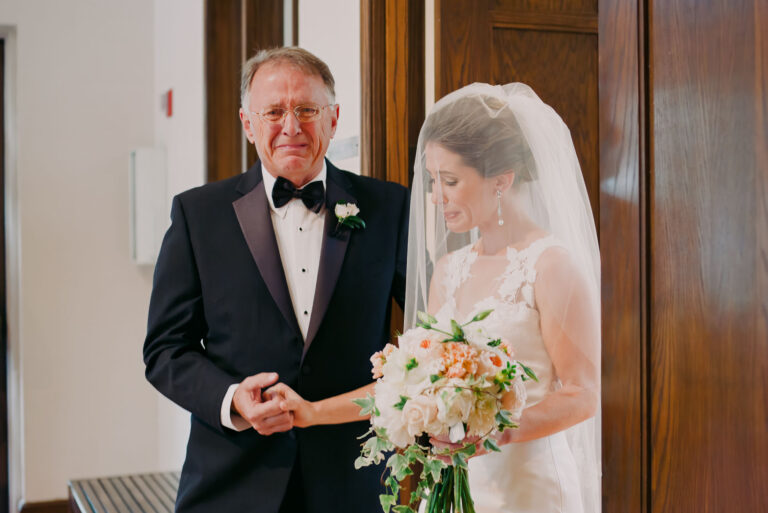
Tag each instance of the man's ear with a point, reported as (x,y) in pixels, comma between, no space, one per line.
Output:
(334,119)
(247,126)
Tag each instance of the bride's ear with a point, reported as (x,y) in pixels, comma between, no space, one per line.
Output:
(504,181)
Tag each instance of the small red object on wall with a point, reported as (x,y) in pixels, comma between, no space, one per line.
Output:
(167,103)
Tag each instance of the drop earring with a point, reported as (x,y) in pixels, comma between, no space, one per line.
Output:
(498,210)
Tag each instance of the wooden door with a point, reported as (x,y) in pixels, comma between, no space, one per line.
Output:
(555,47)
(551,48)
(709,256)
(234,31)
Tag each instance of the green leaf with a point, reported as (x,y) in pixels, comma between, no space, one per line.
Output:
(490,445)
(393,484)
(403,509)
(434,377)
(387,501)
(482,315)
(458,333)
(529,372)
(433,467)
(495,343)
(503,420)
(402,402)
(459,460)
(367,405)
(412,364)
(400,466)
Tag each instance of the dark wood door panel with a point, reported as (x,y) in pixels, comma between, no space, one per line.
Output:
(562,68)
(622,247)
(223,59)
(547,6)
(234,31)
(708,373)
(554,46)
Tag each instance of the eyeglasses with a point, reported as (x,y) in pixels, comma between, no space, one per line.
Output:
(303,113)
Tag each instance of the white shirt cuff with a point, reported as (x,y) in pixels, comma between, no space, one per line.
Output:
(231,420)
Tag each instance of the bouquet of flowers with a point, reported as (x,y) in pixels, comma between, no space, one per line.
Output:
(440,381)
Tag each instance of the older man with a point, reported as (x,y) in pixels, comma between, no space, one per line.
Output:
(258,281)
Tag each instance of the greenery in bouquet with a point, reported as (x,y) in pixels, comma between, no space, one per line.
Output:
(448,381)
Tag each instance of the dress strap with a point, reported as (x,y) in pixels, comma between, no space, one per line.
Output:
(536,248)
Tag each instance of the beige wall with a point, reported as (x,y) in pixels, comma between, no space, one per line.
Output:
(341,51)
(87,76)
(179,65)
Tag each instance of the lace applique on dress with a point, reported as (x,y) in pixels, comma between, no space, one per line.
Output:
(457,271)
(520,275)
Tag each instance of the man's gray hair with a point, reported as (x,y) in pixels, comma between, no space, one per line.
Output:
(291,55)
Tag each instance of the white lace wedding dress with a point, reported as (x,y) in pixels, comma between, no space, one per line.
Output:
(539,476)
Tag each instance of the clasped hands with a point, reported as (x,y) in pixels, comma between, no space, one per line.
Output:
(270,407)
(444,448)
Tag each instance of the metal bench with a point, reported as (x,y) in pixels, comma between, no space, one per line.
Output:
(139,493)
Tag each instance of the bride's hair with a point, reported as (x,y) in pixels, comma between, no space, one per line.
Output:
(484,132)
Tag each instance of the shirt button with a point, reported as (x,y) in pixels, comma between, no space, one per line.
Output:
(306,313)
(303,270)
(301,229)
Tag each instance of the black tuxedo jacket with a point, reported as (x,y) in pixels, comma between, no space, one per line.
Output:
(220,311)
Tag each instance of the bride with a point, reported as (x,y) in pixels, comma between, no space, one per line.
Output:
(500,219)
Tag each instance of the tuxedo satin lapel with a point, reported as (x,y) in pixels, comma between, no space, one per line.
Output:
(332,253)
(252,212)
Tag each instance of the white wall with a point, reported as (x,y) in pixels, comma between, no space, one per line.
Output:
(87,85)
(179,65)
(331,30)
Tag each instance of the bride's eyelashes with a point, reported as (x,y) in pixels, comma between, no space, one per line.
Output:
(448,182)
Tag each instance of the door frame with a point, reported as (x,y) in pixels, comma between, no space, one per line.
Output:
(11,459)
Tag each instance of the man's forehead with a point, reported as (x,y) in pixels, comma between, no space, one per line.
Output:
(273,82)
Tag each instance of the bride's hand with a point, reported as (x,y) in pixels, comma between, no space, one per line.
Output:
(303,411)
(442,442)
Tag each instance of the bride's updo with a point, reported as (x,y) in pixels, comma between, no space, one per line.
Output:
(484,132)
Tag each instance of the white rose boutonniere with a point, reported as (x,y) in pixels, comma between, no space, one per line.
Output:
(346,213)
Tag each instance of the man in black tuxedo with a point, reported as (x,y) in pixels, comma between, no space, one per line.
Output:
(259,282)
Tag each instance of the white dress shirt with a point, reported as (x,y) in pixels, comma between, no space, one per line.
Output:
(299,234)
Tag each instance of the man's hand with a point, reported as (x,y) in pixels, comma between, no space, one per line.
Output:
(265,416)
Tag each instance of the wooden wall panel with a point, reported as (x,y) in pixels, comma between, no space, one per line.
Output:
(547,6)
(562,68)
(263,29)
(462,38)
(234,31)
(709,415)
(223,58)
(396,89)
(623,171)
(373,68)
(392,66)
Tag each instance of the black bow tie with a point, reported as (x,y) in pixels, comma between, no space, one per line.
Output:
(311,195)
